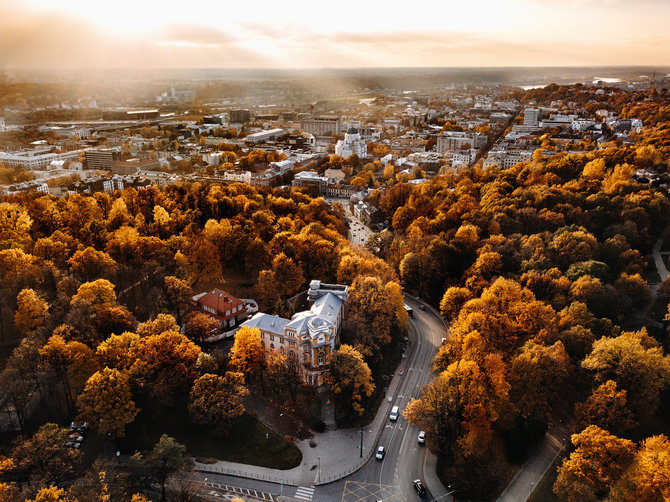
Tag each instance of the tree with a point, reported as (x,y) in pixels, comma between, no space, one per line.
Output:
(247,355)
(89,264)
(45,454)
(72,362)
(217,401)
(453,300)
(50,494)
(107,402)
(268,288)
(118,351)
(177,292)
(598,461)
(636,363)
(371,313)
(288,275)
(607,408)
(200,326)
(349,377)
(161,324)
(539,379)
(165,366)
(99,293)
(167,457)
(648,477)
(459,408)
(31,312)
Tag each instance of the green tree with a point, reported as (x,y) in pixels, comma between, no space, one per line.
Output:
(167,458)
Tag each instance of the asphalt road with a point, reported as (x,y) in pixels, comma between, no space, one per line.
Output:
(390,479)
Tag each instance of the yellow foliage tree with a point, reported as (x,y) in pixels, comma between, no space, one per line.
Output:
(31,312)
(107,402)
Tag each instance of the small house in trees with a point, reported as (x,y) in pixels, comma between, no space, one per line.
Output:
(309,337)
(228,310)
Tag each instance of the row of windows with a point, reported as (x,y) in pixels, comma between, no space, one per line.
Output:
(321,357)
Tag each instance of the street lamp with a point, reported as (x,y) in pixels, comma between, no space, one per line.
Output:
(318,472)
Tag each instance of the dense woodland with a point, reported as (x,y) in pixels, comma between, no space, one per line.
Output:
(546,291)
(542,271)
(79,274)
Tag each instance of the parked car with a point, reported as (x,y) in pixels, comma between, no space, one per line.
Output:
(418,486)
(380,453)
(422,437)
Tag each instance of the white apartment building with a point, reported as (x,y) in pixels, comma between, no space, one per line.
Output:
(326,125)
(531,117)
(455,140)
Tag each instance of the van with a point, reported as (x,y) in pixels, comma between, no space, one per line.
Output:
(394,413)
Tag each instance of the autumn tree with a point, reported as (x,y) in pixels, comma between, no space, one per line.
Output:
(165,367)
(539,378)
(648,477)
(118,351)
(349,377)
(89,263)
(160,324)
(177,292)
(216,401)
(247,356)
(636,363)
(45,455)
(371,313)
(72,362)
(459,408)
(107,402)
(51,494)
(99,293)
(200,326)
(31,312)
(598,461)
(606,407)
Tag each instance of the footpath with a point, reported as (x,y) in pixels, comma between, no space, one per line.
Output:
(326,457)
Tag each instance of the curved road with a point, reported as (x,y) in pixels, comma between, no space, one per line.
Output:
(405,458)
(390,479)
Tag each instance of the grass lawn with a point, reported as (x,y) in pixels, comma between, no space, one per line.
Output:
(249,442)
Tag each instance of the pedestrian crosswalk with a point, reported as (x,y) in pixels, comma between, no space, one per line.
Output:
(304,493)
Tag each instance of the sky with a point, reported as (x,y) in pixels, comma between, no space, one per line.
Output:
(54,34)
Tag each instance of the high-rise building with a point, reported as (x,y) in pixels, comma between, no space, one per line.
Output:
(322,126)
(102,158)
(531,117)
(239,116)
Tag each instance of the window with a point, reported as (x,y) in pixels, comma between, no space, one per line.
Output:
(262,335)
(227,313)
(322,358)
(272,346)
(291,343)
(281,339)
(272,338)
(305,357)
(262,344)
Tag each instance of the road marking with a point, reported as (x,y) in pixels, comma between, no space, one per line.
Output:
(304,493)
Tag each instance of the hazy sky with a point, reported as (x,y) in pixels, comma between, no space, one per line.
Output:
(340,33)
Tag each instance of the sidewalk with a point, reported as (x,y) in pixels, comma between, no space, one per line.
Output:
(338,459)
(532,472)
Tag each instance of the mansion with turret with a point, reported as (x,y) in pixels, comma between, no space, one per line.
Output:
(309,337)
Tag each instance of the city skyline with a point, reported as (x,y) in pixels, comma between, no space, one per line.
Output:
(484,33)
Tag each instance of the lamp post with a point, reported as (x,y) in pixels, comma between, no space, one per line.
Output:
(361,443)
(318,472)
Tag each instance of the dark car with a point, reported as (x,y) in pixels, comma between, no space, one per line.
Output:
(418,486)
(422,307)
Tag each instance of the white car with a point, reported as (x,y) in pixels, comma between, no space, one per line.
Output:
(380,453)
(422,437)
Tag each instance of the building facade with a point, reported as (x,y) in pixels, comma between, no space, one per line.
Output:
(309,338)
(221,306)
(351,144)
(322,126)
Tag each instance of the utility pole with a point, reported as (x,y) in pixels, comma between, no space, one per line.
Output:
(361,443)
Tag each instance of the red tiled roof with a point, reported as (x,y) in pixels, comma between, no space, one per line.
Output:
(220,301)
